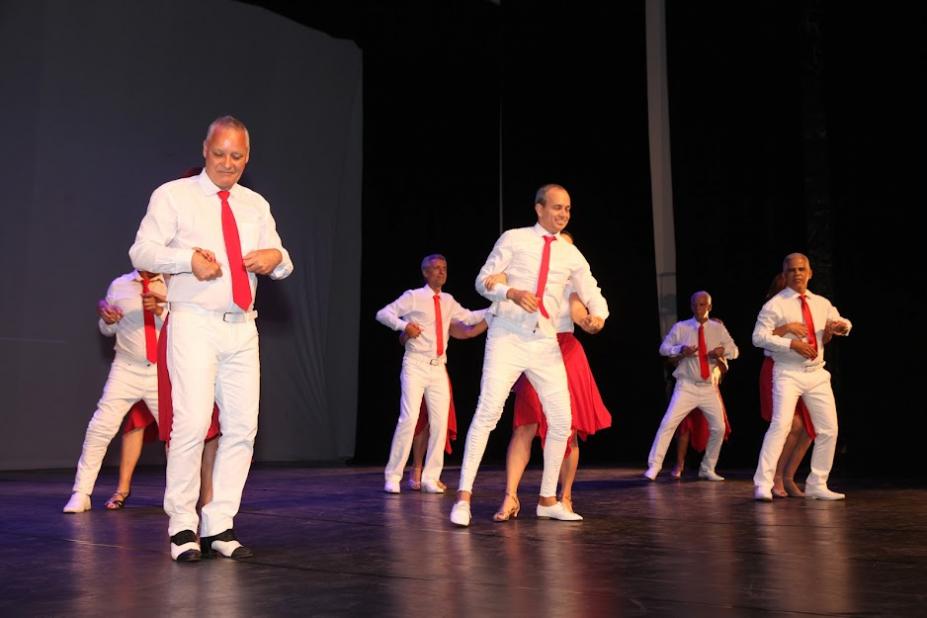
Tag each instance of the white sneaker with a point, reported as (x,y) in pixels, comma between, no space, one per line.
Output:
(762,495)
(460,514)
(822,493)
(710,475)
(77,504)
(651,473)
(431,488)
(557,511)
(391,487)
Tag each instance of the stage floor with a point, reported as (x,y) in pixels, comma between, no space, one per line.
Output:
(329,542)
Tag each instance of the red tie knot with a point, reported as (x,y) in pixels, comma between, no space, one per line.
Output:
(549,239)
(437,297)
(144,285)
(224,196)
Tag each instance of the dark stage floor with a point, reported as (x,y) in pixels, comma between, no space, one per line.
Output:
(330,543)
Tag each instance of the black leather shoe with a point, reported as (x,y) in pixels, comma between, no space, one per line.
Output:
(225,544)
(184,547)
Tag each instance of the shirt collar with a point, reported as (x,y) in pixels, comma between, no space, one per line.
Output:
(788,292)
(540,231)
(429,291)
(208,187)
(137,277)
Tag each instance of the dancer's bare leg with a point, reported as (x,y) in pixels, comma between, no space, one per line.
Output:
(209,458)
(419,446)
(131,451)
(682,447)
(568,474)
(802,444)
(516,460)
(779,489)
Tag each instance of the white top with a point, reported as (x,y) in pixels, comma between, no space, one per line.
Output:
(419,306)
(187,213)
(125,292)
(517,253)
(685,333)
(783,308)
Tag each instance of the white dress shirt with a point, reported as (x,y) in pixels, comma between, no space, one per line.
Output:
(785,307)
(564,321)
(125,292)
(684,334)
(517,253)
(187,213)
(419,306)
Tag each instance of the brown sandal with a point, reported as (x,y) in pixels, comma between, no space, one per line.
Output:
(117,500)
(510,513)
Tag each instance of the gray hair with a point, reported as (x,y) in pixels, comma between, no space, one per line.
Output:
(431,258)
(697,294)
(228,122)
(785,261)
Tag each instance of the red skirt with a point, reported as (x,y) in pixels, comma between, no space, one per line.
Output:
(451,420)
(697,426)
(140,416)
(589,412)
(766,397)
(165,404)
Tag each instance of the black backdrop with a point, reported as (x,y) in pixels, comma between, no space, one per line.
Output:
(795,126)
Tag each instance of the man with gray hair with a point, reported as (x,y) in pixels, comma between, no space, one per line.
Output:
(701,345)
(424,315)
(799,372)
(214,237)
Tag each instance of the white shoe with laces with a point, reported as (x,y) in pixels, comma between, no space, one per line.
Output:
(557,511)
(77,504)
(460,514)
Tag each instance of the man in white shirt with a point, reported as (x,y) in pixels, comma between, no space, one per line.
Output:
(425,316)
(214,236)
(523,339)
(133,376)
(799,372)
(699,344)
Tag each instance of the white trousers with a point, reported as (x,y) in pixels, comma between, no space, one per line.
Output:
(420,379)
(790,383)
(510,353)
(210,361)
(128,382)
(686,397)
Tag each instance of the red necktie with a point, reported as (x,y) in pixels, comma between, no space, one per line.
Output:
(809,322)
(241,288)
(151,335)
(439,325)
(703,353)
(542,276)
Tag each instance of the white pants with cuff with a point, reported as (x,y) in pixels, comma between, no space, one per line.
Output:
(687,396)
(421,377)
(509,353)
(812,384)
(129,381)
(210,360)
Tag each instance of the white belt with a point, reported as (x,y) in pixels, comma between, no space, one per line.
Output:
(225,316)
